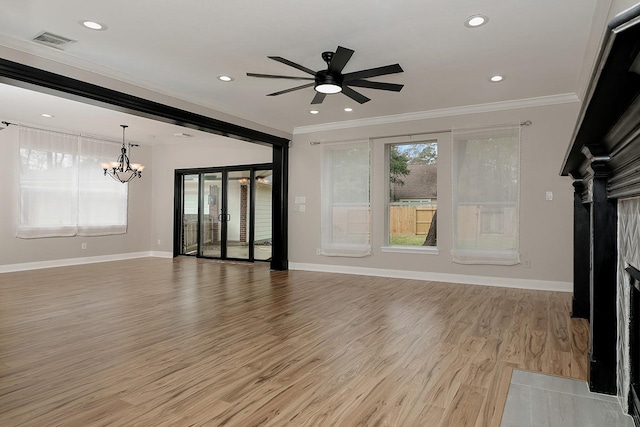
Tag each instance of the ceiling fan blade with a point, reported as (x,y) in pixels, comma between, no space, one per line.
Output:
(340,59)
(273,76)
(293,64)
(376,85)
(358,97)
(318,98)
(291,90)
(373,72)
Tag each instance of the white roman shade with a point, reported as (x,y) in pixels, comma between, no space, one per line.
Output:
(486,195)
(62,189)
(345,194)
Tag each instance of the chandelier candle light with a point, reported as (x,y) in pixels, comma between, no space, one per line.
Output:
(121,170)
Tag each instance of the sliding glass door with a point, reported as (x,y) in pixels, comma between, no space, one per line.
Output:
(211,220)
(262,221)
(225,213)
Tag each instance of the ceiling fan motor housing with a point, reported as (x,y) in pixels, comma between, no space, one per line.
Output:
(325,77)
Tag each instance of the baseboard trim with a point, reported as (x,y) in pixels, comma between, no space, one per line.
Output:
(158,254)
(503,282)
(8,268)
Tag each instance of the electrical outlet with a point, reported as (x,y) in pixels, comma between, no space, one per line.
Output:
(549,195)
(84,246)
(526,263)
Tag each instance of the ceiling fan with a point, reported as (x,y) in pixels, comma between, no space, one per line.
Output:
(332,80)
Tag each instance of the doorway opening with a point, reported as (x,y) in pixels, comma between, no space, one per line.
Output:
(224,212)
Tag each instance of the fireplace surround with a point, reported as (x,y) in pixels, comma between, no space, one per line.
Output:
(604,162)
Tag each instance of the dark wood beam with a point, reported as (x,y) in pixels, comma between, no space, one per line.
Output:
(36,79)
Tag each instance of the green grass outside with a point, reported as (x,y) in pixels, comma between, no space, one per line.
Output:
(406,239)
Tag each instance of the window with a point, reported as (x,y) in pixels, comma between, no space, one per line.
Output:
(486,184)
(62,189)
(413,194)
(345,214)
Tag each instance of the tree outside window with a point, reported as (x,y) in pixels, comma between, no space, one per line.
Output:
(412,205)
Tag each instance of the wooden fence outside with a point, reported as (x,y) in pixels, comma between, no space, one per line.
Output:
(411,219)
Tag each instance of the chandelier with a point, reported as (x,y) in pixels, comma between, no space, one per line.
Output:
(121,170)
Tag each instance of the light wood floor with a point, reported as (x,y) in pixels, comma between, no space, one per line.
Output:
(188,342)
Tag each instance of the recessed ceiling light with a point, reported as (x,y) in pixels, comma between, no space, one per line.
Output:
(48,116)
(476,21)
(348,109)
(225,78)
(496,78)
(314,112)
(92,25)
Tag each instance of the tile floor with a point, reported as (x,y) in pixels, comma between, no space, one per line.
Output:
(538,400)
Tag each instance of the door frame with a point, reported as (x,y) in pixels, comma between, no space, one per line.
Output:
(224,170)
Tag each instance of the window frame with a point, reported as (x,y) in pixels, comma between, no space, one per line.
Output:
(414,139)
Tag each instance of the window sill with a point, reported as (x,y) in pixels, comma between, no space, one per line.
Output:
(431,250)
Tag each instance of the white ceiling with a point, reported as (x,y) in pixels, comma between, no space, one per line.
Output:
(180,47)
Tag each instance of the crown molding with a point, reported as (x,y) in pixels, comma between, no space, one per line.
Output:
(565,98)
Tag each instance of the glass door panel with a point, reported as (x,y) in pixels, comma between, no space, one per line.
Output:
(212,215)
(262,222)
(238,218)
(189,243)
(225,213)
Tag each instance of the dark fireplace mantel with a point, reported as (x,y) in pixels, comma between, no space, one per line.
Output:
(604,161)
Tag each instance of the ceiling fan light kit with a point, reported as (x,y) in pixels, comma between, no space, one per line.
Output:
(332,80)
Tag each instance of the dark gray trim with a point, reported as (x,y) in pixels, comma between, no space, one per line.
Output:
(624,17)
(581,254)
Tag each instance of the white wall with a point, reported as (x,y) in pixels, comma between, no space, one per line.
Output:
(19,251)
(546,226)
(150,201)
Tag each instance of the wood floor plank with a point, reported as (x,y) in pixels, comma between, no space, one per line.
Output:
(190,342)
(493,406)
(464,410)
